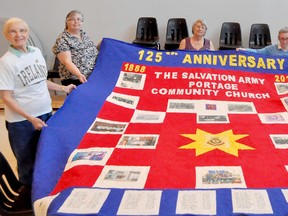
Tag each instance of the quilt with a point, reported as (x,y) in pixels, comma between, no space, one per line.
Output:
(157,132)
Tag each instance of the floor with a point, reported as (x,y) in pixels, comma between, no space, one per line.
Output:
(57,101)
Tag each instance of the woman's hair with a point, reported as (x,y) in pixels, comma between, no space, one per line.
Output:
(12,21)
(199,21)
(71,14)
(283,30)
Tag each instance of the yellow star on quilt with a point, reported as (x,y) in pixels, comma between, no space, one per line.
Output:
(225,141)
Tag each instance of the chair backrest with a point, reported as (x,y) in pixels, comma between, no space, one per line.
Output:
(8,180)
(56,64)
(259,36)
(54,72)
(147,29)
(13,195)
(230,35)
(176,29)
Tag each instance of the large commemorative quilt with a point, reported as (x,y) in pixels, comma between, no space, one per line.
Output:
(157,132)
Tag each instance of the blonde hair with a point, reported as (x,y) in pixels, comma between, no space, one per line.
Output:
(203,23)
(12,21)
(71,14)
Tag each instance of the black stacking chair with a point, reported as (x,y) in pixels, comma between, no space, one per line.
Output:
(230,36)
(15,198)
(259,36)
(54,73)
(147,33)
(175,32)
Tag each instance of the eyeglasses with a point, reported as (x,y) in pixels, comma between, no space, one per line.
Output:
(75,20)
(14,32)
(283,39)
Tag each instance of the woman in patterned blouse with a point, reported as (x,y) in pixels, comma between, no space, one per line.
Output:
(74,49)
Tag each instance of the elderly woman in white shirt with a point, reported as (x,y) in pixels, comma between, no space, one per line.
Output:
(24,91)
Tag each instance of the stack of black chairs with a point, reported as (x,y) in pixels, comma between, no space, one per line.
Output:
(15,198)
(176,31)
(259,36)
(147,33)
(230,36)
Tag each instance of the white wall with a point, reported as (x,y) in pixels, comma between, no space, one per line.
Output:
(118,18)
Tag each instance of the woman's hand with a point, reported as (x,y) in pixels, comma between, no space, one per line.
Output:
(82,78)
(37,123)
(69,88)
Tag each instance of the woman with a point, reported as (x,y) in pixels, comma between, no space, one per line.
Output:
(74,49)
(24,91)
(197,41)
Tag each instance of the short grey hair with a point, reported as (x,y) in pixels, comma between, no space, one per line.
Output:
(199,21)
(71,14)
(283,30)
(12,21)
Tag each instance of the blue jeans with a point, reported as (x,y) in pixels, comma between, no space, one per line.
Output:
(23,140)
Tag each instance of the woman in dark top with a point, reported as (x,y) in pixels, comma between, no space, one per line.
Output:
(197,41)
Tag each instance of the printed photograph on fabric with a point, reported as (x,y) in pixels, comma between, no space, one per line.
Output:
(124,100)
(280,140)
(212,118)
(220,177)
(282,88)
(104,126)
(131,80)
(89,156)
(138,141)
